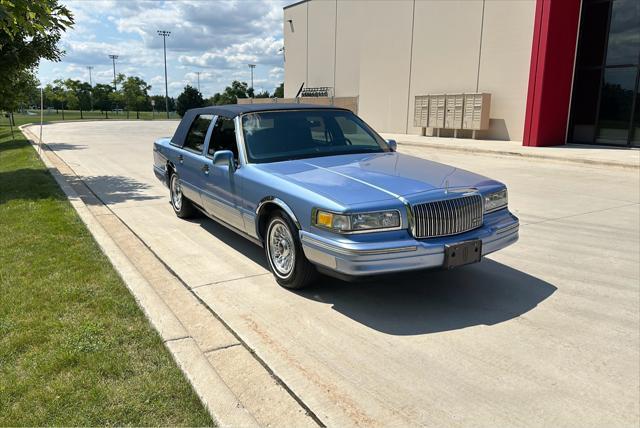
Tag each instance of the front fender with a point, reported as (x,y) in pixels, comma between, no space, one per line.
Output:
(266,205)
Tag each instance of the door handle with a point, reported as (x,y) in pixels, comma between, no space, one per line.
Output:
(205,169)
(180,158)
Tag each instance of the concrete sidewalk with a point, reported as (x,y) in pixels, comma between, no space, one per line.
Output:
(594,155)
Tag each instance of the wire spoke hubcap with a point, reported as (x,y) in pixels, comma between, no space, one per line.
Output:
(281,249)
(176,193)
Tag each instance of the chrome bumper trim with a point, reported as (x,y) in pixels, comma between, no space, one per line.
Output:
(508,229)
(353,252)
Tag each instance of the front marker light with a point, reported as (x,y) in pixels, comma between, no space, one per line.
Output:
(328,220)
(495,201)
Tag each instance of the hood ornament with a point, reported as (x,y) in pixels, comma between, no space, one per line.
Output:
(446,187)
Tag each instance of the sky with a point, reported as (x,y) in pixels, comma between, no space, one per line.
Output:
(217,38)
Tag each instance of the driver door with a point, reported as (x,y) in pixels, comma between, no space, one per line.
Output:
(220,190)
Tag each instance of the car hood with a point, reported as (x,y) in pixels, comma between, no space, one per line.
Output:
(361,178)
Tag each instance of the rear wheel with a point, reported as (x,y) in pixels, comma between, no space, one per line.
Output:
(284,253)
(181,205)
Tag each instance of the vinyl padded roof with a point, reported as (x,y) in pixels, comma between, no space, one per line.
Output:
(232,110)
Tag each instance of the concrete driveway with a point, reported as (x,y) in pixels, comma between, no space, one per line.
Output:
(545,332)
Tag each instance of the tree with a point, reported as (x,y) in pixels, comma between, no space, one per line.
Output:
(19,93)
(136,93)
(160,103)
(102,96)
(279,92)
(29,31)
(188,99)
(53,96)
(232,93)
(78,95)
(263,94)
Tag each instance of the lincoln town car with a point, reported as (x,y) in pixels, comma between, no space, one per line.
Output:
(322,192)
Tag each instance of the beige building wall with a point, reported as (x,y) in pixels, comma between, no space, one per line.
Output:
(321,42)
(385,55)
(504,64)
(348,41)
(387,51)
(446,47)
(295,43)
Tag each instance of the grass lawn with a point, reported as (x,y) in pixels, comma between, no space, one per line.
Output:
(75,349)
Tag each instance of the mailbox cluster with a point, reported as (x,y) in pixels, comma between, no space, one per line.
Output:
(452,111)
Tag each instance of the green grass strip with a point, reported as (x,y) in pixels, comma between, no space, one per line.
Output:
(75,349)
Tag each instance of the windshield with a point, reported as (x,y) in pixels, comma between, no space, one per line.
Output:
(284,135)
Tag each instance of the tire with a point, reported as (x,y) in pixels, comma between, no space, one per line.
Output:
(181,205)
(287,262)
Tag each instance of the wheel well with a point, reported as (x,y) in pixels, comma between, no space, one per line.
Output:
(170,170)
(263,216)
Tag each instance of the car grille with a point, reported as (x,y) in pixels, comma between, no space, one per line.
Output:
(447,217)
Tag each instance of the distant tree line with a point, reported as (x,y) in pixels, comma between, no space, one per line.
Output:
(192,98)
(132,96)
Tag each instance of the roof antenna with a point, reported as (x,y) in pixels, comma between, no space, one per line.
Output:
(299,90)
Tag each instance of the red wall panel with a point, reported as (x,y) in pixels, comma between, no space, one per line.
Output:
(552,59)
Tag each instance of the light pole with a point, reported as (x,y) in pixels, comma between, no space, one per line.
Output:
(164,35)
(114,58)
(252,66)
(90,67)
(198,74)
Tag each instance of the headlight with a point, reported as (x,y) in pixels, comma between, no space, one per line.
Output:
(357,222)
(495,201)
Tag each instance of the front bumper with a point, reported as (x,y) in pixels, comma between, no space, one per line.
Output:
(352,258)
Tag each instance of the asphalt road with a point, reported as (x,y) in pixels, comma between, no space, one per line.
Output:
(545,332)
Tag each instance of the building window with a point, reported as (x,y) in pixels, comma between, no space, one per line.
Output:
(605,89)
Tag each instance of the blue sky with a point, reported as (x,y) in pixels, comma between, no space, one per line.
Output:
(215,37)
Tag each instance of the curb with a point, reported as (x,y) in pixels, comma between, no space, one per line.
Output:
(507,153)
(214,393)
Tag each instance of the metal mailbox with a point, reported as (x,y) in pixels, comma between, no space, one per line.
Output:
(421,111)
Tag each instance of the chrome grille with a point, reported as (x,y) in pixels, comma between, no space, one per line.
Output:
(447,217)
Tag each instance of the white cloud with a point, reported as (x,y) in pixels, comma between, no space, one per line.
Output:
(218,38)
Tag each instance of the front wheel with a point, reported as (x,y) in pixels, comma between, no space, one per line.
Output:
(181,205)
(284,253)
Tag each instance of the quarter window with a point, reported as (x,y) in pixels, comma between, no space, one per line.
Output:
(197,133)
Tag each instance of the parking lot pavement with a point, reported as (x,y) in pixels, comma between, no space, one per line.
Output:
(544,332)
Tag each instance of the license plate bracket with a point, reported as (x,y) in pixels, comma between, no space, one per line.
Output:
(462,253)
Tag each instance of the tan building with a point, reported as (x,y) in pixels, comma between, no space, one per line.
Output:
(522,52)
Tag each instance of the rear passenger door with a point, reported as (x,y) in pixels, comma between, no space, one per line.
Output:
(190,158)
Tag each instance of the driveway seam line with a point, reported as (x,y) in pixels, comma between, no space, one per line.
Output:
(277,378)
(177,339)
(220,348)
(229,280)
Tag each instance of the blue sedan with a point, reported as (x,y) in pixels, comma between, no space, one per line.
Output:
(322,192)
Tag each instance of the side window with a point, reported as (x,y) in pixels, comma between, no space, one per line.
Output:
(319,131)
(223,137)
(353,132)
(197,132)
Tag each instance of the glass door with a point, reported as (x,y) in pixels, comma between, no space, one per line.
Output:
(605,90)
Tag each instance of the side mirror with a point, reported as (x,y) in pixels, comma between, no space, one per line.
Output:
(393,145)
(224,157)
